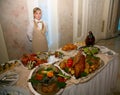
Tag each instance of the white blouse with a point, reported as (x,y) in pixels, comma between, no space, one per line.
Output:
(31,27)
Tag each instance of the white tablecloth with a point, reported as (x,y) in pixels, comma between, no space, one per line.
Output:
(100,84)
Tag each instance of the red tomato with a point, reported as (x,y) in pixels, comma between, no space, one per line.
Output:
(61,79)
(24,60)
(69,62)
(39,76)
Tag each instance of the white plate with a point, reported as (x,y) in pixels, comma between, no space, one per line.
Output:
(86,78)
(29,83)
(12,90)
(34,70)
(10,66)
(52,59)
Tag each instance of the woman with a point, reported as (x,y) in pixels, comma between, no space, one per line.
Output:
(36,32)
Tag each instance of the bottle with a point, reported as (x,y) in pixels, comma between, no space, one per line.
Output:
(90,39)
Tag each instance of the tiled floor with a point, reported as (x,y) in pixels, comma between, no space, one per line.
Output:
(114,44)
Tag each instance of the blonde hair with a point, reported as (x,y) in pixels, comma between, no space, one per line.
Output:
(36,9)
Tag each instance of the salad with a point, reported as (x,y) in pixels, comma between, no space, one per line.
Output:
(48,79)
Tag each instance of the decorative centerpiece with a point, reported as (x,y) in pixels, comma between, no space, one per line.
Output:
(90,39)
(47,79)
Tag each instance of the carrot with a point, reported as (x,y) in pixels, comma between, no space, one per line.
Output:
(50,74)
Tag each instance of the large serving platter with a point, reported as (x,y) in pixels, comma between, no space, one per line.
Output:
(89,76)
(33,71)
(30,85)
(32,60)
(6,66)
(84,78)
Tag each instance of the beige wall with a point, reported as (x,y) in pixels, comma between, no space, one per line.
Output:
(14,19)
(65,15)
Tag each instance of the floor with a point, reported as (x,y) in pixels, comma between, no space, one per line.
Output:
(114,44)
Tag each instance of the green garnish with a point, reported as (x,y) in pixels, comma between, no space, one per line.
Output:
(83,74)
(33,80)
(61,84)
(66,69)
(63,75)
(90,63)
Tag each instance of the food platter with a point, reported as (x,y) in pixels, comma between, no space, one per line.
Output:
(4,67)
(69,46)
(91,50)
(8,76)
(32,60)
(89,76)
(46,79)
(68,49)
(90,65)
(85,78)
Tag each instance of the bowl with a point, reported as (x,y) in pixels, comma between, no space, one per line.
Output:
(46,79)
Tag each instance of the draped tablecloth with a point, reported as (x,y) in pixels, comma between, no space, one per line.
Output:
(100,84)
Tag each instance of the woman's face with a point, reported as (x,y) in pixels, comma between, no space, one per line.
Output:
(37,15)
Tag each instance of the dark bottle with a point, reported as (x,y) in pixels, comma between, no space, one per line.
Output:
(90,39)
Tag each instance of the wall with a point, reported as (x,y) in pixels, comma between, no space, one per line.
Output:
(65,21)
(14,19)
(3,50)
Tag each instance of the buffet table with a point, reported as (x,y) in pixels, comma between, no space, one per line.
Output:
(100,84)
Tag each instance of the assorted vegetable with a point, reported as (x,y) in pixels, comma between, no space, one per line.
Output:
(48,77)
(33,60)
(90,50)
